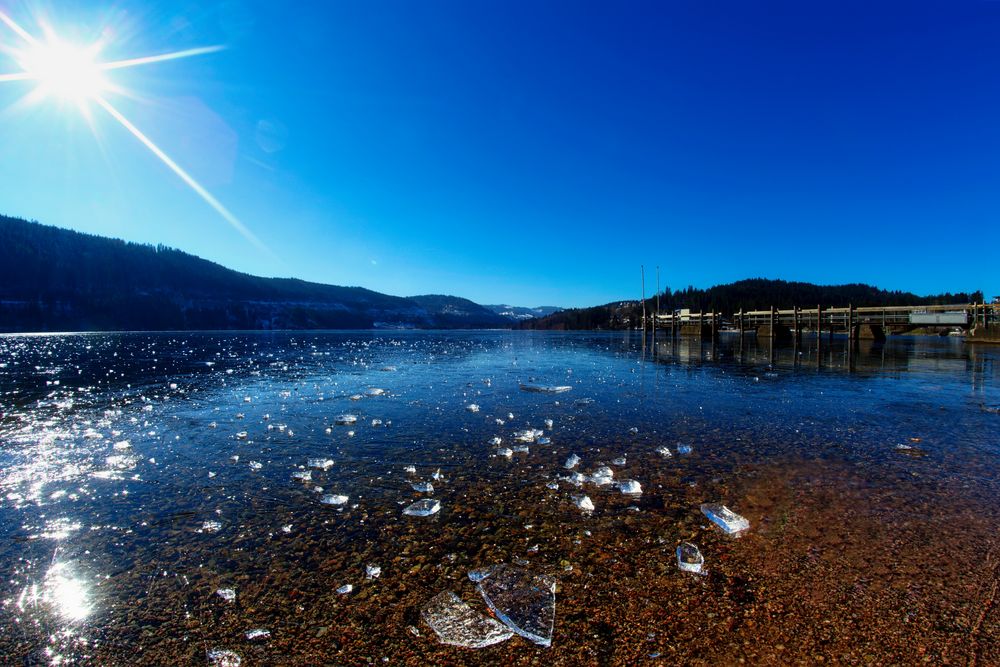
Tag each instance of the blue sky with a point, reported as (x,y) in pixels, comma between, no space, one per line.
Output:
(533,152)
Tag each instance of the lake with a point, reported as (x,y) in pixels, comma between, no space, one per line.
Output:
(227,498)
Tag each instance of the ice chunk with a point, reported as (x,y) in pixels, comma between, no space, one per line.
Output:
(303,475)
(242,435)
(576,478)
(355,397)
(372,571)
(683,449)
(345,420)
(525,602)
(424,507)
(320,464)
(255,465)
(664,451)
(220,657)
(545,389)
(571,461)
(602,476)
(496,440)
(376,422)
(455,623)
(548,424)
(334,499)
(257,633)
(528,435)
(423,487)
(552,485)
(375,391)
(345,589)
(211,527)
(689,557)
(122,446)
(630,487)
(730,522)
(543,441)
(520,449)
(505,451)
(410,469)
(436,475)
(584,503)
(472,407)
(227,594)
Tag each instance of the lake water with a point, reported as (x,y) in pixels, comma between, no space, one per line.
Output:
(154,506)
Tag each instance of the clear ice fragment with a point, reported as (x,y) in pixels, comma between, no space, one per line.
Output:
(571,461)
(372,571)
(227,594)
(664,451)
(602,476)
(424,507)
(683,449)
(344,420)
(545,389)
(345,589)
(220,657)
(472,407)
(455,623)
(334,499)
(584,503)
(689,558)
(525,602)
(320,464)
(257,633)
(730,522)
(423,487)
(630,487)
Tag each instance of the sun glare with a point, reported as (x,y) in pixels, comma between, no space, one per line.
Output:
(65,71)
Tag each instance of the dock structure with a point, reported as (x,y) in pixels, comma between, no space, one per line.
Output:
(979,322)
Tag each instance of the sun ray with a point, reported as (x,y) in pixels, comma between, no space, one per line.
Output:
(148,60)
(183,175)
(22,33)
(17,76)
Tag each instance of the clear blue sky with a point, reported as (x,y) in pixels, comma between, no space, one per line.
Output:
(534,152)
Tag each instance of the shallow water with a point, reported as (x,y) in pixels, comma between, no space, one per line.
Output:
(142,474)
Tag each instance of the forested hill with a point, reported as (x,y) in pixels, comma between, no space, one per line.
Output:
(53,279)
(753,294)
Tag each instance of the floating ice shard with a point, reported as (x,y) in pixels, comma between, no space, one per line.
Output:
(584,503)
(602,476)
(424,507)
(410,469)
(545,389)
(255,465)
(372,571)
(630,487)
(211,527)
(122,446)
(571,461)
(730,522)
(227,594)
(389,369)
(345,420)
(543,441)
(242,435)
(436,475)
(548,424)
(376,422)
(472,407)
(505,451)
(683,449)
(257,633)
(525,602)
(528,435)
(375,391)
(220,657)
(664,451)
(423,487)
(345,589)
(303,475)
(552,485)
(320,464)
(520,449)
(576,478)
(496,440)
(689,557)
(455,623)
(334,499)
(355,397)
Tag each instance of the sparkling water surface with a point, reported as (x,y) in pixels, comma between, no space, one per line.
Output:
(192,498)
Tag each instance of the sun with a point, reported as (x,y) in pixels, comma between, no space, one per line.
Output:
(65,71)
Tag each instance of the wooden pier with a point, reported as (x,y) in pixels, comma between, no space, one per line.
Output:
(980,322)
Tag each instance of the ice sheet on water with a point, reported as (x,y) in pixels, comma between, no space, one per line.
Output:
(545,389)
(730,522)
(689,558)
(456,624)
(424,507)
(525,602)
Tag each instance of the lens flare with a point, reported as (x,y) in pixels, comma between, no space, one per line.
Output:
(74,73)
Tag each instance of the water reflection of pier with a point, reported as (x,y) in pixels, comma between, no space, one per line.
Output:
(900,354)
